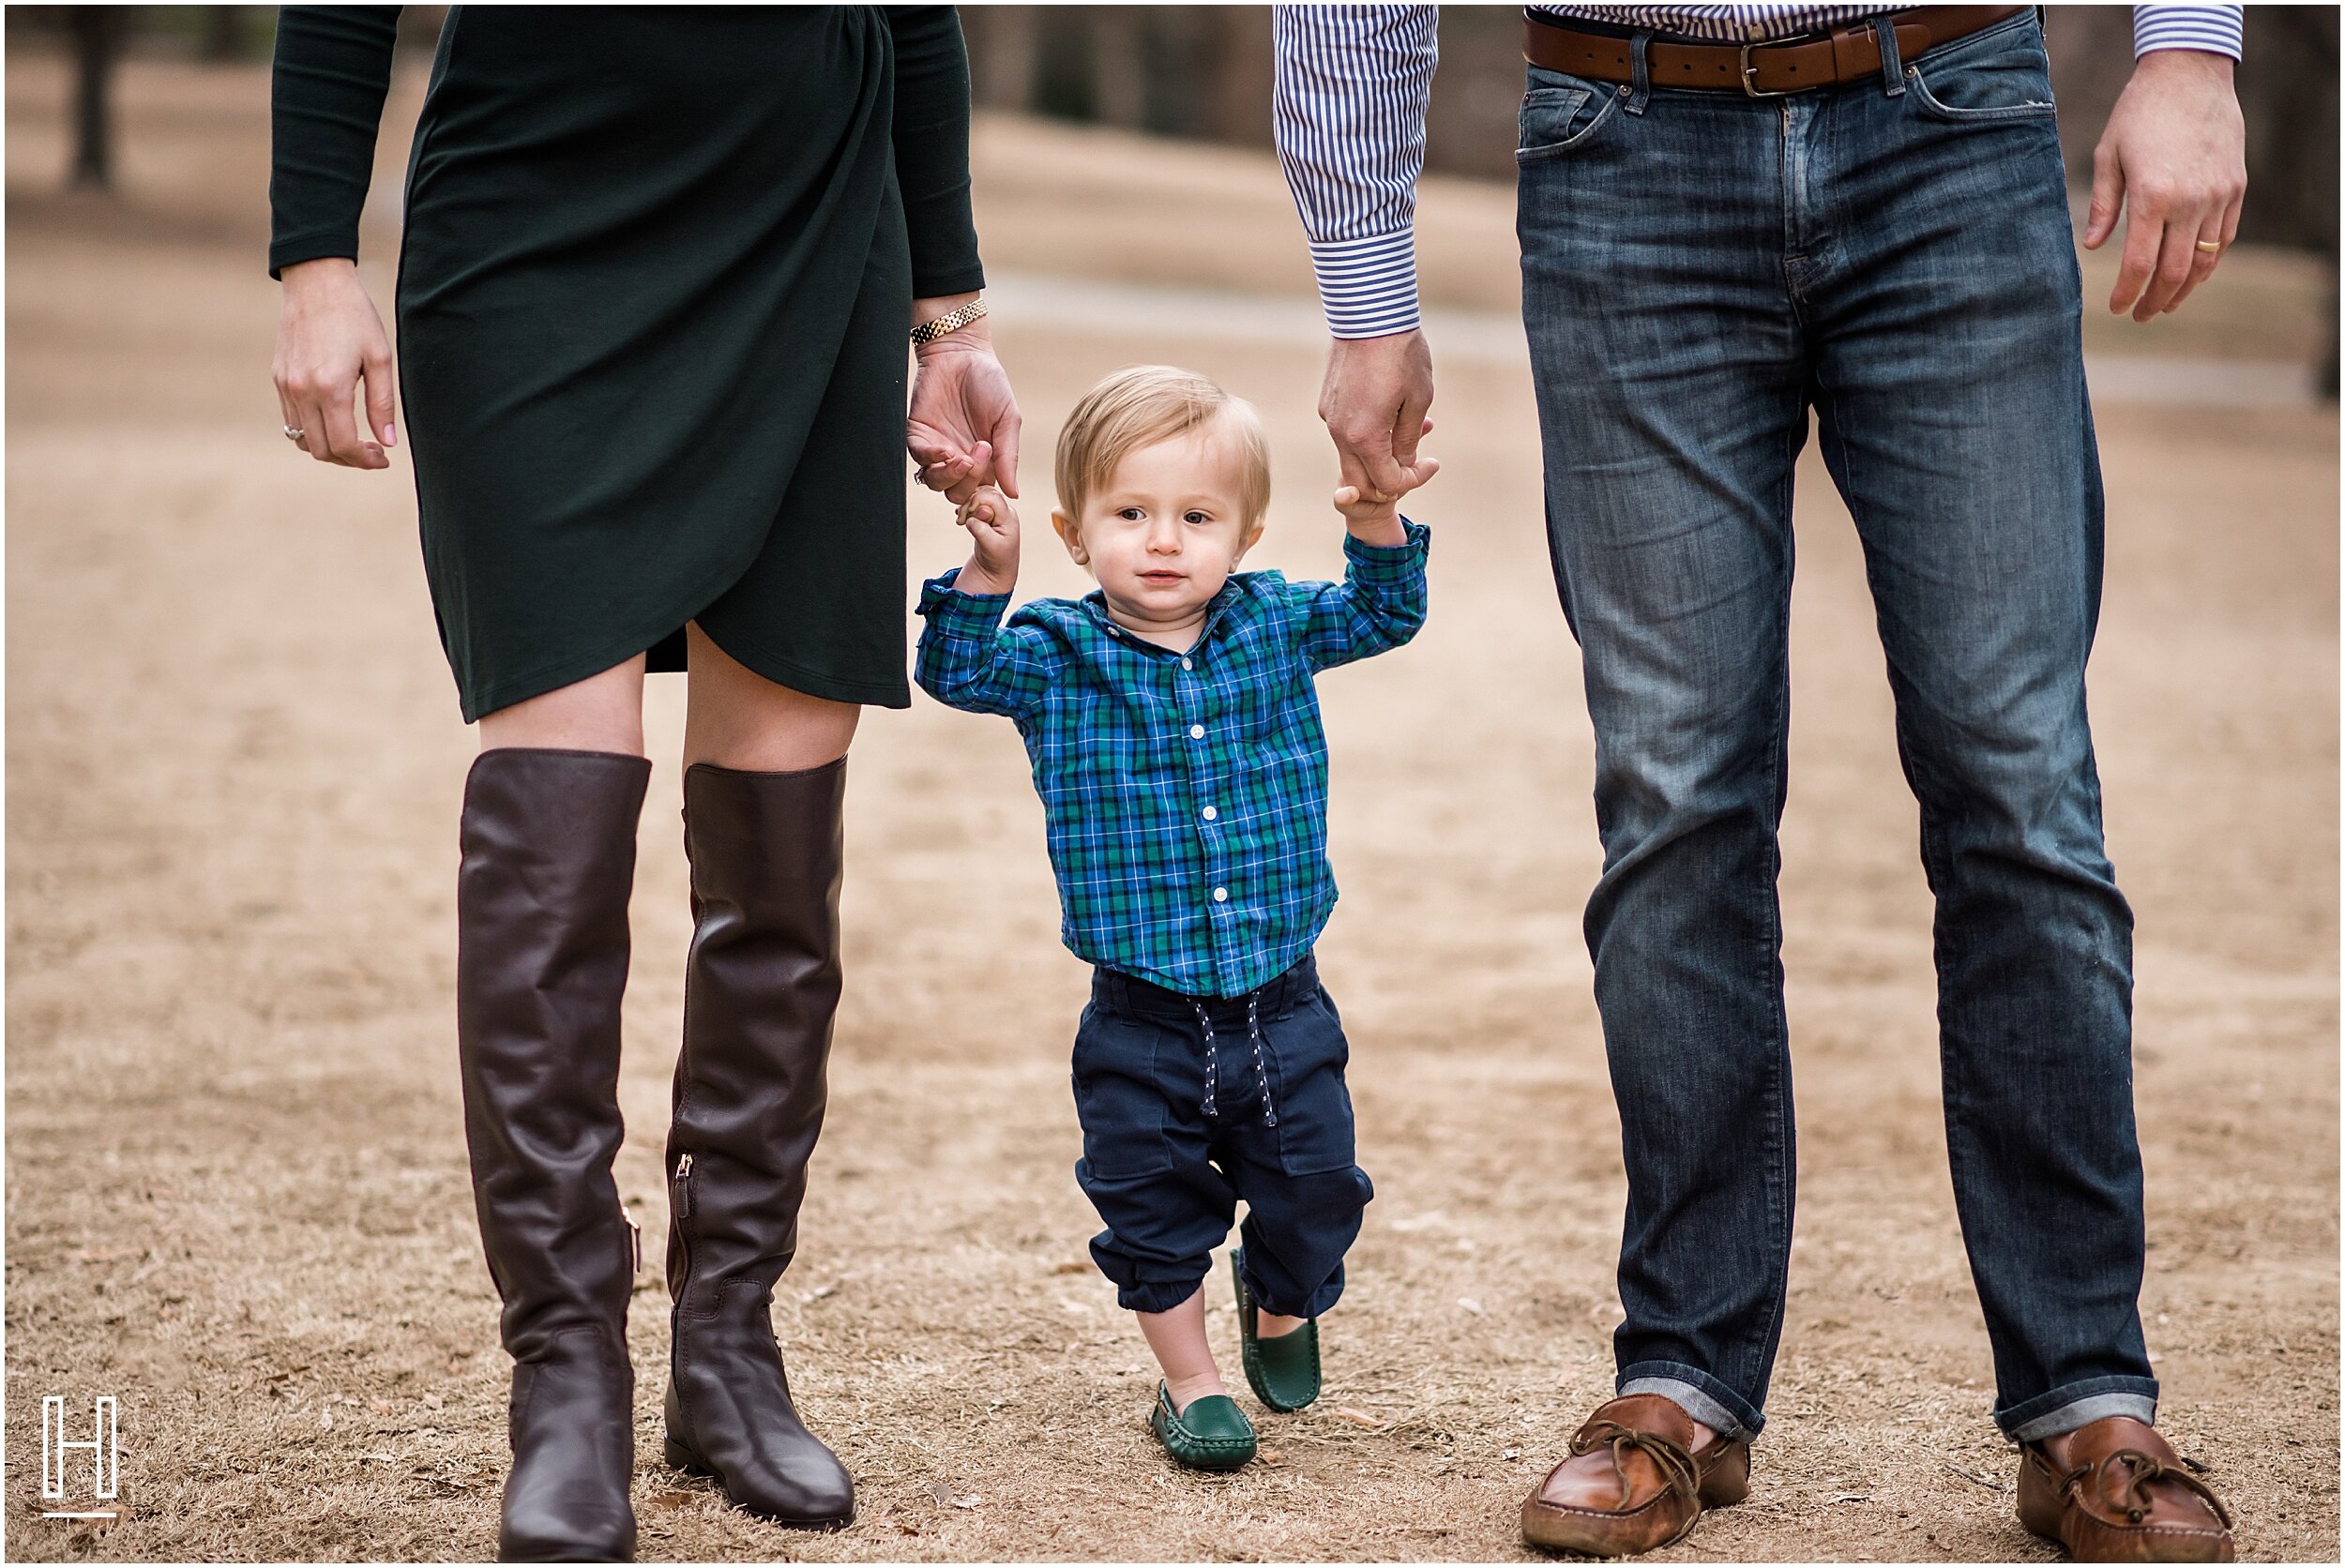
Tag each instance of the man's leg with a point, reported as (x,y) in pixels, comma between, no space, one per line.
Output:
(1670,373)
(1951,400)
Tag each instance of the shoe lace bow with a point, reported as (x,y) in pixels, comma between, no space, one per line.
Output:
(1675,1465)
(2142,1472)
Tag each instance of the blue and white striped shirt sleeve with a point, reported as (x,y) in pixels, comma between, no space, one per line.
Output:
(2216,29)
(1349,108)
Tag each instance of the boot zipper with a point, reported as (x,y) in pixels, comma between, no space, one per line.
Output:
(683,1185)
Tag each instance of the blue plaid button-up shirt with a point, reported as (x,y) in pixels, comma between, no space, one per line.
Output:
(1184,794)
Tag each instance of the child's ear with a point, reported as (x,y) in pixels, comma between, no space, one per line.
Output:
(1252,537)
(1073,536)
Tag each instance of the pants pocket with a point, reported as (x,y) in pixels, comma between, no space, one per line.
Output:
(1118,1099)
(1308,1053)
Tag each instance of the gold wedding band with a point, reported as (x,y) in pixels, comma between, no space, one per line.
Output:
(2210,246)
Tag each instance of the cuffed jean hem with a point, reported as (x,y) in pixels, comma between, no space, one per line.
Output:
(2065,1410)
(1698,1393)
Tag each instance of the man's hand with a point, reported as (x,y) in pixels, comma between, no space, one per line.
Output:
(2175,155)
(1374,401)
(992,526)
(962,427)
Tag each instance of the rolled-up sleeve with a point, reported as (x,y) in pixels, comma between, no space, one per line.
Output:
(1348,106)
(2215,29)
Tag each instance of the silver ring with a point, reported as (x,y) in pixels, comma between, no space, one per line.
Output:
(294,435)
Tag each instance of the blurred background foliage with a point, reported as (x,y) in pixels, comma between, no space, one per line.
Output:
(1205,72)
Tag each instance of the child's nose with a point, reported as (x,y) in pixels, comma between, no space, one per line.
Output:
(1164,539)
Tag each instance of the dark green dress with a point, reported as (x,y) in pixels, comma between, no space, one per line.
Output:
(654,288)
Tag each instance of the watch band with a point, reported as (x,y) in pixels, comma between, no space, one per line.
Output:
(951,321)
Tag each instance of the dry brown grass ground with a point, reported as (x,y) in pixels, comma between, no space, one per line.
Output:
(236,1187)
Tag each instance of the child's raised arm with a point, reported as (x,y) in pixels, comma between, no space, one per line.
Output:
(968,659)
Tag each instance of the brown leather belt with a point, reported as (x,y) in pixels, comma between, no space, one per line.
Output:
(1849,54)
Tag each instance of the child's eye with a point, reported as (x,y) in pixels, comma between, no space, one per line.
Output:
(1198,517)
(1130,514)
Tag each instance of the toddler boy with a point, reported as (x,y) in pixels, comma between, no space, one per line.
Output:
(1176,744)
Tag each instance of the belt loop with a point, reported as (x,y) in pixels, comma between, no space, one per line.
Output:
(1892,69)
(1640,74)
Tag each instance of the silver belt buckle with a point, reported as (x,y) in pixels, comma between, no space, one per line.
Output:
(1749,70)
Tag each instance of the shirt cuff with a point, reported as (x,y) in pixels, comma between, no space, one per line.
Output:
(1367,287)
(950,609)
(2213,29)
(1388,565)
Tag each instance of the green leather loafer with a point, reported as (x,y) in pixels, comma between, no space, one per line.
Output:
(1212,1434)
(1282,1372)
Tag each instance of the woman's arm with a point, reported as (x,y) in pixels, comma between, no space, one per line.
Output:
(333,70)
(962,428)
(931,138)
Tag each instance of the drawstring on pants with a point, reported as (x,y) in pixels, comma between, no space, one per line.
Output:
(1213,1074)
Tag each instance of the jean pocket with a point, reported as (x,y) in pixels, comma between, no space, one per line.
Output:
(1308,1053)
(2010,83)
(1561,114)
(1118,1100)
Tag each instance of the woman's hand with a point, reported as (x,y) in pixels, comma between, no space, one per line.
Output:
(962,428)
(992,526)
(328,338)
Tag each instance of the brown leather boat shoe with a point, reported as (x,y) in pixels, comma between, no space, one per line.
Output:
(1634,1482)
(2113,1491)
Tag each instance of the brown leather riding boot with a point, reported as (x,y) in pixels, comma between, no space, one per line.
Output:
(1634,1482)
(2114,1491)
(750,1093)
(548,858)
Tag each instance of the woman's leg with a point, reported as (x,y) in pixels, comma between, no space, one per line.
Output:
(735,717)
(601,713)
(550,810)
(765,777)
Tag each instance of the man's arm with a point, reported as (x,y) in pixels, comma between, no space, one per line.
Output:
(1348,111)
(2173,158)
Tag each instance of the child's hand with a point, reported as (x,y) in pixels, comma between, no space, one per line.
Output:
(993,537)
(1375,519)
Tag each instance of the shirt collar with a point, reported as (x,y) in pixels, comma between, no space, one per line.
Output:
(1095,605)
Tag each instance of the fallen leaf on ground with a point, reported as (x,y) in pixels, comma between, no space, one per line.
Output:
(1512,1454)
(668,1499)
(1470,1304)
(1357,1417)
(969,1502)
(1272,1457)
(941,1495)
(433,1402)
(819,1293)
(1071,1268)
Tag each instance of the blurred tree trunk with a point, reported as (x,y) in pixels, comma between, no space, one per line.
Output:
(223,33)
(1003,49)
(1119,65)
(96,39)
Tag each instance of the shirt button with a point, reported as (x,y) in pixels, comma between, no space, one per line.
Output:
(1211,813)
(1196,731)
(1220,895)
(1186,665)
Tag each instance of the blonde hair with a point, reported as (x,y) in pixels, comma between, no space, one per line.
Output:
(1143,404)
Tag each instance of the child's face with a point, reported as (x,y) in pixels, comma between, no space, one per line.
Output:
(1167,528)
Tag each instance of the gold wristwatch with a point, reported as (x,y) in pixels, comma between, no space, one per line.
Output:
(951,321)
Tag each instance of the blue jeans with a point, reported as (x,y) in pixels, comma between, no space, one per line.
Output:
(1189,1103)
(1699,269)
